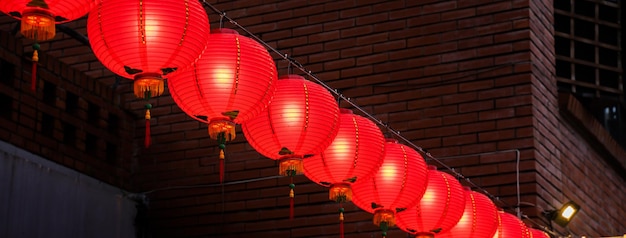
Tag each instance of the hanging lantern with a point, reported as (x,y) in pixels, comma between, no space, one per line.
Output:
(301,120)
(355,153)
(511,227)
(147,40)
(39,18)
(535,233)
(440,208)
(397,185)
(480,218)
(232,82)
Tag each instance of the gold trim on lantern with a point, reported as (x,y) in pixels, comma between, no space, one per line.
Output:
(216,127)
(384,215)
(290,163)
(152,83)
(424,235)
(340,192)
(38,25)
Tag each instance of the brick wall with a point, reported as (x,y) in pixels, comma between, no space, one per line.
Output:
(70,119)
(454,77)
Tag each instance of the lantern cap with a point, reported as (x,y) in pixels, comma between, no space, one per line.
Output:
(224,31)
(432,167)
(467,188)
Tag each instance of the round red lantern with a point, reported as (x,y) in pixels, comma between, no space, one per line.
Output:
(480,218)
(440,208)
(146,40)
(511,227)
(231,82)
(301,120)
(535,233)
(397,185)
(39,19)
(40,16)
(355,153)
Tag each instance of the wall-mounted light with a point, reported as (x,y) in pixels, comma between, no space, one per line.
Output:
(563,215)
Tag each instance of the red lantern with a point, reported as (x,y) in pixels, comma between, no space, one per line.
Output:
(399,184)
(232,82)
(145,40)
(440,208)
(40,16)
(480,218)
(535,233)
(39,19)
(356,153)
(511,227)
(301,120)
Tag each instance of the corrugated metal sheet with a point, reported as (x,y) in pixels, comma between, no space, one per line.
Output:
(39,198)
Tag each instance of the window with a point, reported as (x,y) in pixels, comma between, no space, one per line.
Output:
(589,59)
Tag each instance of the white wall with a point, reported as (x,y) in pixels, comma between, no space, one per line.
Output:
(39,198)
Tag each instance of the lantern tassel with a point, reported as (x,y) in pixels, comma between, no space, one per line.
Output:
(291,199)
(221,138)
(221,166)
(35,59)
(147,140)
(341,229)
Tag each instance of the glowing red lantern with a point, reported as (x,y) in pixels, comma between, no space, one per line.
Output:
(40,16)
(535,233)
(39,19)
(301,120)
(511,227)
(232,82)
(440,208)
(356,153)
(397,185)
(145,40)
(480,218)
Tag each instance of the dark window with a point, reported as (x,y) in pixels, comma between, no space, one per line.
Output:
(93,113)
(47,124)
(114,123)
(69,134)
(49,92)
(71,102)
(91,144)
(111,153)
(6,106)
(6,72)
(589,60)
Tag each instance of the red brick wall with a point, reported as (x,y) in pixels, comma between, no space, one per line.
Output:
(454,77)
(88,133)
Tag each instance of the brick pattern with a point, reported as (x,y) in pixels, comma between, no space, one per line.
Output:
(70,119)
(469,81)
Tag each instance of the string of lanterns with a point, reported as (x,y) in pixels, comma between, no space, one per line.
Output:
(221,78)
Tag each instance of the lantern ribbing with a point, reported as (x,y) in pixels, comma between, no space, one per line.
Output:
(397,185)
(479,220)
(301,120)
(511,227)
(147,40)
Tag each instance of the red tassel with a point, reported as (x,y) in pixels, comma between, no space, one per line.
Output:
(341,223)
(291,195)
(291,208)
(147,141)
(33,80)
(221,167)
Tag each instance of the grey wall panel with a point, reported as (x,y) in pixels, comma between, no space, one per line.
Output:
(39,198)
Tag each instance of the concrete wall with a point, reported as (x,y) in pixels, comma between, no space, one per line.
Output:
(39,198)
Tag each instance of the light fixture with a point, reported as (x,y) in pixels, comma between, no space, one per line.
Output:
(563,215)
